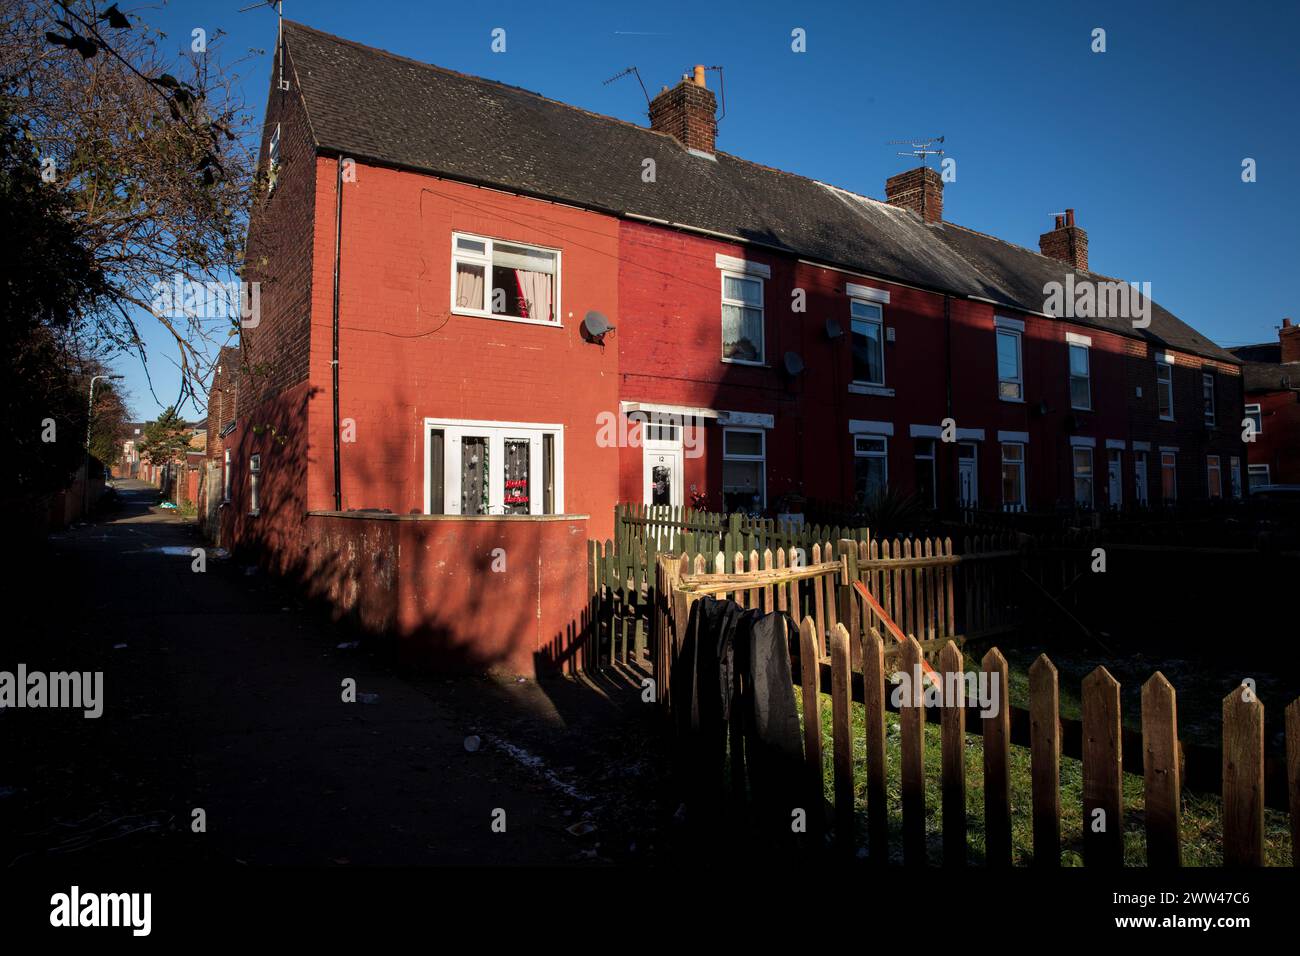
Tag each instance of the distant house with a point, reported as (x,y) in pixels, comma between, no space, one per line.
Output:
(488,316)
(1272,374)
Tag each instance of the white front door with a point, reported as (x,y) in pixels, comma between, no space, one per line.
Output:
(662,473)
(967,476)
(1115,484)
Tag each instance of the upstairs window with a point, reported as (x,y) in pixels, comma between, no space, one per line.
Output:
(1011,381)
(742,318)
(868,348)
(1165,390)
(1207,396)
(505,280)
(1256,415)
(1080,378)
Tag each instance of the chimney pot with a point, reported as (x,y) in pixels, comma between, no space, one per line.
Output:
(1060,222)
(687,112)
(699,75)
(1069,217)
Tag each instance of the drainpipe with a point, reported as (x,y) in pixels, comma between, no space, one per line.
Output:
(950,463)
(334,362)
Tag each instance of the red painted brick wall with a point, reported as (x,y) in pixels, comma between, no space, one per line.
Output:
(474,594)
(1278,444)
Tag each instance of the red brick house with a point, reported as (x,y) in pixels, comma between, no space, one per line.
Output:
(1272,375)
(488,316)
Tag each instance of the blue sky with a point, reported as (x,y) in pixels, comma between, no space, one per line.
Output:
(1145,141)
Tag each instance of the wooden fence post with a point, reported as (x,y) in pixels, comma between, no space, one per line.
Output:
(873,698)
(1293,775)
(809,686)
(1045,761)
(954,756)
(997,765)
(1103,808)
(842,733)
(911,718)
(1161,772)
(1243,779)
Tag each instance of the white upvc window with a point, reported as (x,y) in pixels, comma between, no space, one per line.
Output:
(742,318)
(870,467)
(1013,476)
(1011,376)
(744,469)
(868,342)
(1207,396)
(1234,475)
(254,484)
(225,477)
(1256,415)
(1083,477)
(1213,476)
(493,468)
(1080,378)
(1257,475)
(499,279)
(1165,390)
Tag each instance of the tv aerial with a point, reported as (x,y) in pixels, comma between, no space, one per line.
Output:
(635,72)
(278,5)
(922,147)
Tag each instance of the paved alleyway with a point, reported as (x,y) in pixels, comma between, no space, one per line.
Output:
(222,692)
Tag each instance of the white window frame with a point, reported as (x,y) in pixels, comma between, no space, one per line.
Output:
(975,459)
(254,484)
(1087,375)
(883,455)
(879,323)
(933,459)
(485,259)
(1258,415)
(1092,476)
(226,477)
(1016,330)
(1207,378)
(497,433)
(1258,470)
(1002,454)
(1161,385)
(1141,476)
(1234,476)
(747,276)
(1213,465)
(761,458)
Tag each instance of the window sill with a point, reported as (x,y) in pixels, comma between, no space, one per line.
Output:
(1167,418)
(1080,408)
(759,364)
(860,388)
(506,318)
(1013,401)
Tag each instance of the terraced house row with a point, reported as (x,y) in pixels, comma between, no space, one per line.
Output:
(482,304)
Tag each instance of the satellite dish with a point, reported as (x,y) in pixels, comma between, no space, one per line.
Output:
(833,330)
(595,325)
(793,364)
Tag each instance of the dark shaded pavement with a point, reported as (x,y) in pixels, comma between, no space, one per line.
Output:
(226,696)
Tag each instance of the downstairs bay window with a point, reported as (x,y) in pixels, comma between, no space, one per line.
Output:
(493,468)
(505,280)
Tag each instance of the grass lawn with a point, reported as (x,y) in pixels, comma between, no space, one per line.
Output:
(1201,828)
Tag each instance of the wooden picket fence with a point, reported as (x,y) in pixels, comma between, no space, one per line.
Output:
(828,660)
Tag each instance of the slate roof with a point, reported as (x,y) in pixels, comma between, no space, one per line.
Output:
(373,105)
(1263,370)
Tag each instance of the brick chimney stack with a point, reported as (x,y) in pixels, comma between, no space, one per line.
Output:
(1289,336)
(1066,242)
(687,112)
(920,190)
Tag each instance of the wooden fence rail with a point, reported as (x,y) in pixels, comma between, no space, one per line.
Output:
(827,661)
